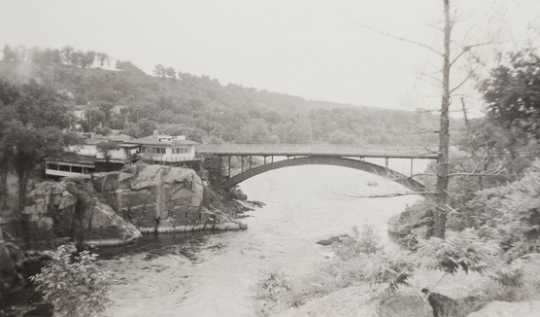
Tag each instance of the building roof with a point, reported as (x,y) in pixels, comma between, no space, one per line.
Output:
(122,140)
(71,158)
(159,140)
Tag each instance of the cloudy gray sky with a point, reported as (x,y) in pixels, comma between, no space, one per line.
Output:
(317,49)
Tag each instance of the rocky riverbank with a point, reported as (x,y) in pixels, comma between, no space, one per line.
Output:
(118,207)
(115,208)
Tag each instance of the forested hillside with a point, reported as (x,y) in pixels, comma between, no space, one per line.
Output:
(201,107)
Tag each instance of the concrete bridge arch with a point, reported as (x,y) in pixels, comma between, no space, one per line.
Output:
(328,160)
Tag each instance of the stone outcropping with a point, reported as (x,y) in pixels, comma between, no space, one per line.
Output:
(506,309)
(116,207)
(71,209)
(415,220)
(147,195)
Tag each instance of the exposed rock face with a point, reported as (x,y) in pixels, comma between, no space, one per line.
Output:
(116,207)
(508,309)
(70,208)
(146,193)
(357,301)
(9,278)
(414,220)
(403,304)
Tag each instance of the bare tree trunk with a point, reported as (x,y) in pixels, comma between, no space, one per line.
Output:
(439,221)
(3,188)
(23,185)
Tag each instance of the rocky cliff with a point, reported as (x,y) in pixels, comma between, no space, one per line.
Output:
(116,207)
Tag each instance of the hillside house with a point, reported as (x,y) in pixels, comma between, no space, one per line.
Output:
(166,149)
(93,155)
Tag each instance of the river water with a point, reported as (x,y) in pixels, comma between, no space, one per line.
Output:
(217,275)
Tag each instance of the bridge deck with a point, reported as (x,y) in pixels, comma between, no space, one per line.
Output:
(314,149)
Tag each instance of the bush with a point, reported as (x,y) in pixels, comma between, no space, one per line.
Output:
(465,251)
(365,241)
(73,283)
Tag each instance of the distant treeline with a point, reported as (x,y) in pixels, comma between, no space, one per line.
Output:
(201,107)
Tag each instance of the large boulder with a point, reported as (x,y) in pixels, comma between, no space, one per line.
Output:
(509,309)
(69,208)
(359,301)
(146,194)
(415,220)
(8,275)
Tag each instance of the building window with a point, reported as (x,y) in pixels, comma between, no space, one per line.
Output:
(76,169)
(181,150)
(64,168)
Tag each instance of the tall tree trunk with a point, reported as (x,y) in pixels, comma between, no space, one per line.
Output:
(439,221)
(3,188)
(25,225)
(23,184)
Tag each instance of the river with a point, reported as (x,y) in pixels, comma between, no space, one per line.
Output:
(217,275)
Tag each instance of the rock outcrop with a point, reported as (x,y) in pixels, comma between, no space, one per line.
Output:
(509,309)
(415,220)
(146,194)
(358,301)
(116,207)
(71,209)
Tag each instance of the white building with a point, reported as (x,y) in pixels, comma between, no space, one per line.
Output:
(166,149)
(93,155)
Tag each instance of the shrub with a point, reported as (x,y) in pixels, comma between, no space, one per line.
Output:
(364,241)
(73,283)
(465,251)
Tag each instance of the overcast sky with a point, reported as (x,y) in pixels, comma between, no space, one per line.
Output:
(316,49)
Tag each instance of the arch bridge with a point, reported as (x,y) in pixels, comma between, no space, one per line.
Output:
(239,162)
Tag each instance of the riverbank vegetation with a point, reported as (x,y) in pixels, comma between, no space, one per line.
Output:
(73,283)
(492,250)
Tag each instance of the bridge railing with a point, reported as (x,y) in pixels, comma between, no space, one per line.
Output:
(317,149)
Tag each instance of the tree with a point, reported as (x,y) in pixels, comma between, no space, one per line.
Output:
(255,131)
(340,137)
(103,59)
(94,117)
(66,53)
(30,146)
(439,216)
(10,55)
(73,283)
(31,130)
(159,71)
(512,93)
(87,59)
(449,60)
(170,73)
(143,128)
(8,95)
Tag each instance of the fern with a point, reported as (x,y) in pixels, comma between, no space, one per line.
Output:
(464,250)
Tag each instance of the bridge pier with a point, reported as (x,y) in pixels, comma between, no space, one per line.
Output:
(229,166)
(241,163)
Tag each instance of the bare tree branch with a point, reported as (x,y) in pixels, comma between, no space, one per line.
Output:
(426,75)
(403,39)
(468,48)
(463,82)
